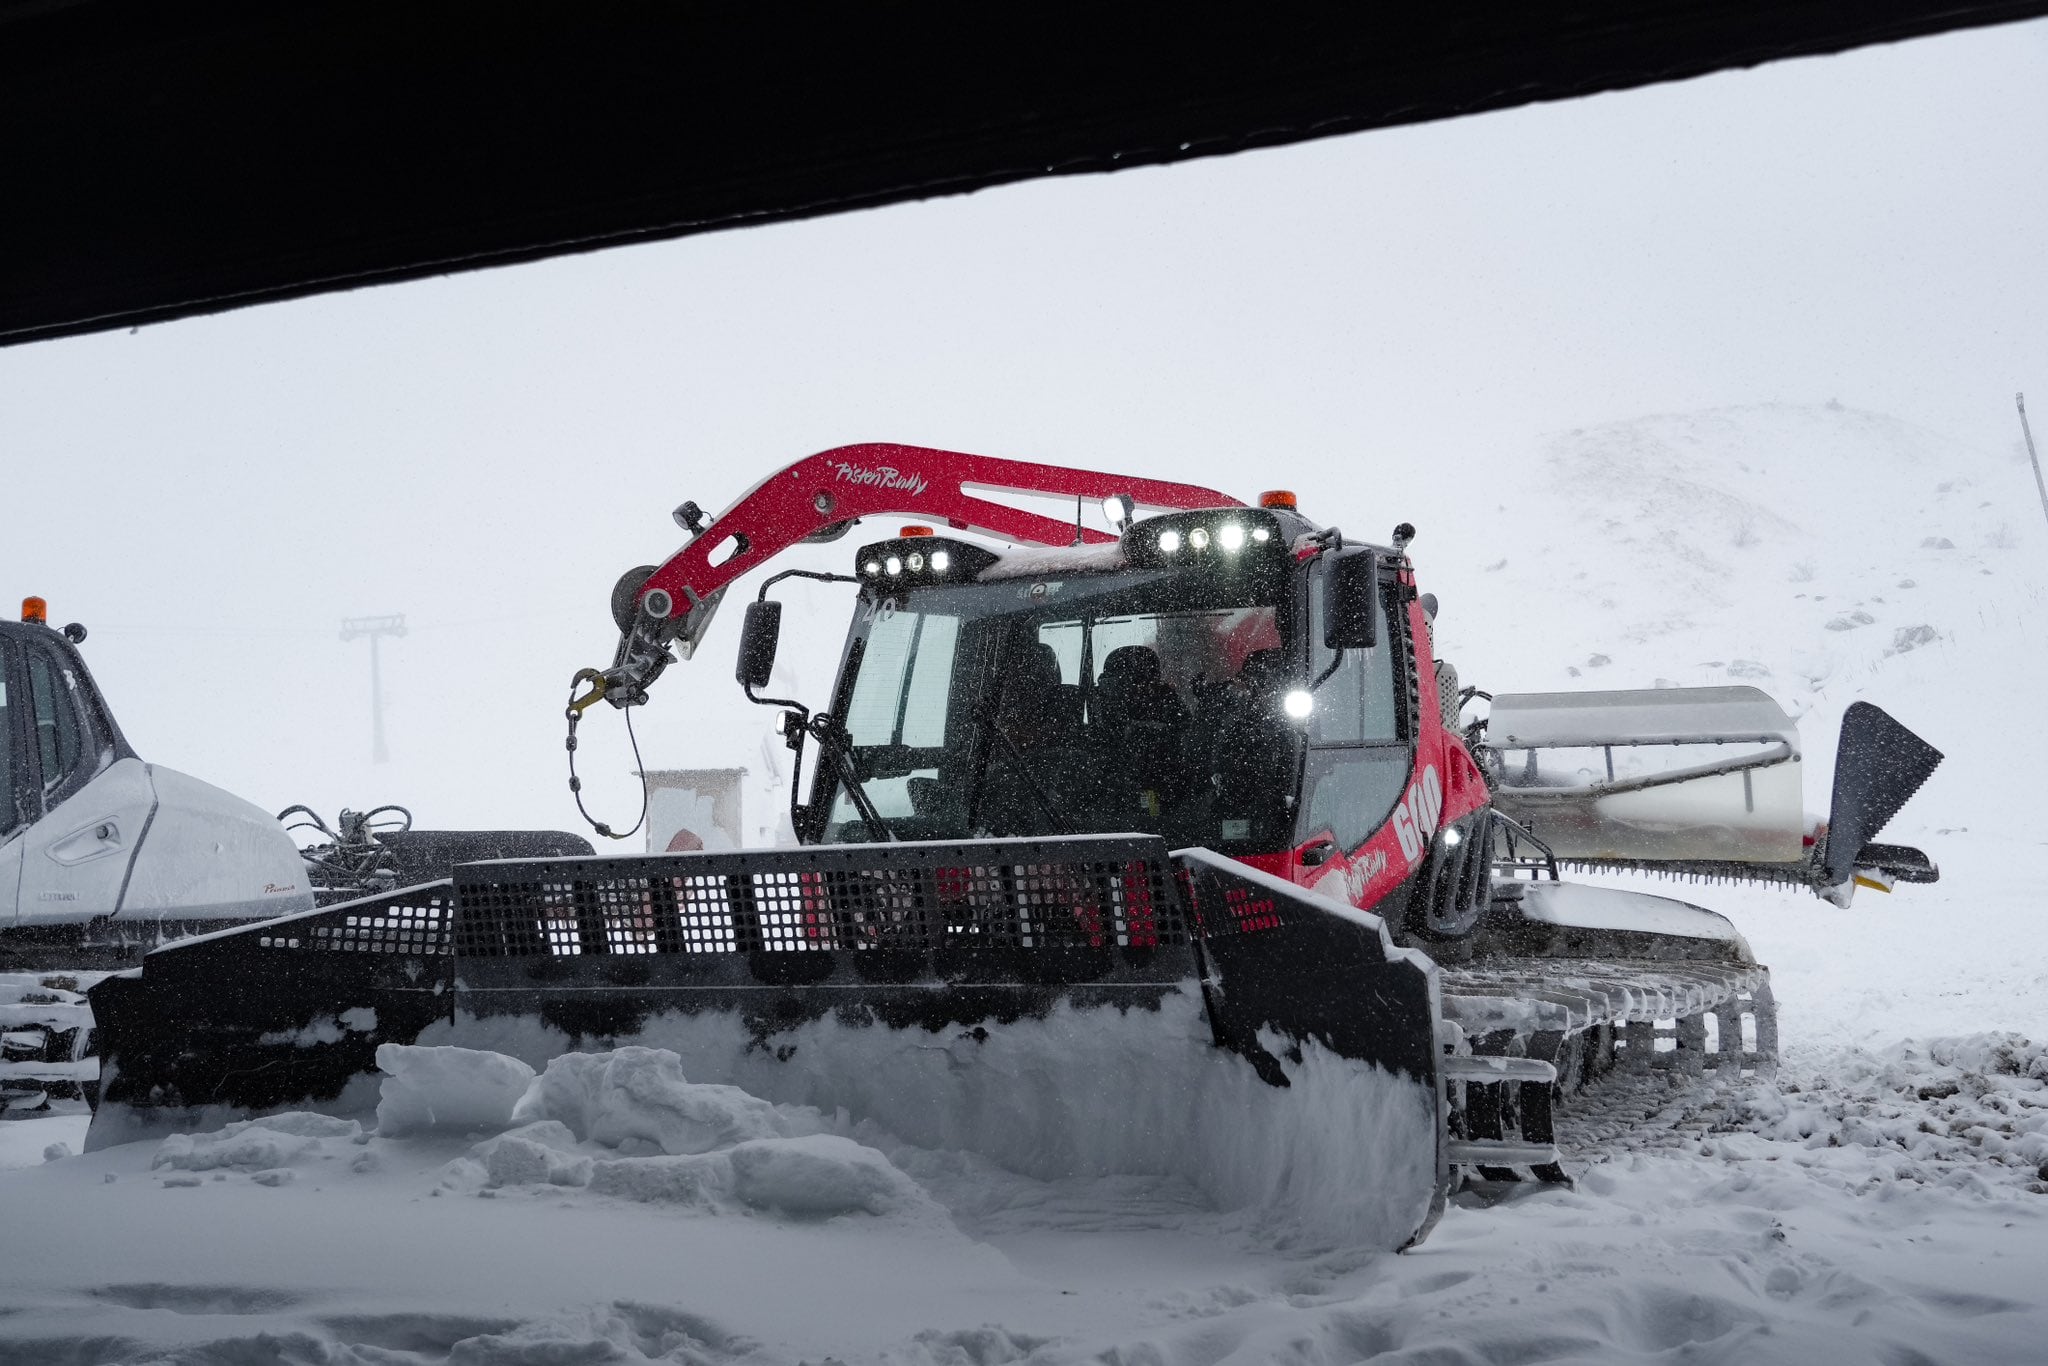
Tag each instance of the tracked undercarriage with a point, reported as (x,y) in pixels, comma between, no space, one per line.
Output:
(46,1041)
(1588,1007)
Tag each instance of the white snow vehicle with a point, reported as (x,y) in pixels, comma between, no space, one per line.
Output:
(104,856)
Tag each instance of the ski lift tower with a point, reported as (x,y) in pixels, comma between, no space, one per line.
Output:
(376,628)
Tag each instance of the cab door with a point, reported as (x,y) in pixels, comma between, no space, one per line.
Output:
(74,860)
(1360,758)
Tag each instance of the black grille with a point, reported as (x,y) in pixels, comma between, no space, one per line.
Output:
(1223,904)
(414,920)
(1085,892)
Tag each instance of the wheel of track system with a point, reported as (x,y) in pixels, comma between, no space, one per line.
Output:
(1453,891)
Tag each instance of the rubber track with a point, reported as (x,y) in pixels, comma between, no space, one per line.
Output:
(1569,1010)
(1635,1110)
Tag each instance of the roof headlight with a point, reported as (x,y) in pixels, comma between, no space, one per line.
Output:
(1222,540)
(920,560)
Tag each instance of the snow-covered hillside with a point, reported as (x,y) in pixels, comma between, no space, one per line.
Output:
(1886,1201)
(1826,556)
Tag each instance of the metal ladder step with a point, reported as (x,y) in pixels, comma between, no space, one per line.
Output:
(1481,1067)
(1498,1152)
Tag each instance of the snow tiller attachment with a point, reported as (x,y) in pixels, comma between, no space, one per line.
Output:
(1704,783)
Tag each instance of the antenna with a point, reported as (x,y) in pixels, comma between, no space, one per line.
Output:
(2021,400)
(376,628)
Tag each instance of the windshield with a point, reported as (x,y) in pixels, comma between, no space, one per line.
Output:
(1109,703)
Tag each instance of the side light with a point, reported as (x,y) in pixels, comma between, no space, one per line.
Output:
(916,561)
(892,566)
(941,561)
(35,610)
(1230,536)
(1298,704)
(1199,538)
(1169,541)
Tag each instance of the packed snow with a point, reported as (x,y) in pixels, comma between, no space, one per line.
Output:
(1082,1093)
(1883,1198)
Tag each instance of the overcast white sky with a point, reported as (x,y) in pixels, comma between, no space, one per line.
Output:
(1390,311)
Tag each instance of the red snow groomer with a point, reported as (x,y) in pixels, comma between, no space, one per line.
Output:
(1163,849)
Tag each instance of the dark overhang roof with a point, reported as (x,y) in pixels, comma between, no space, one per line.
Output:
(160,158)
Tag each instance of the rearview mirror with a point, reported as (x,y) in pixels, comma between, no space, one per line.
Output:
(758,638)
(1350,599)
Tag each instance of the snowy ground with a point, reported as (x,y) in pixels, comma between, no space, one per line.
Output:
(1884,1201)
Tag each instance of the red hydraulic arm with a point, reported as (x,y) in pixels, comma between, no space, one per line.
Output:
(816,498)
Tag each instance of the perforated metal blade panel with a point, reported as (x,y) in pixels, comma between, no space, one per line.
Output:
(1092,892)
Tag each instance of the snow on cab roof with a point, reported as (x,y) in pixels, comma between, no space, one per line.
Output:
(1032,562)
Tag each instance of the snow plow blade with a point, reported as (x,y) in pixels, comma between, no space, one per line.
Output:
(1704,783)
(1066,1007)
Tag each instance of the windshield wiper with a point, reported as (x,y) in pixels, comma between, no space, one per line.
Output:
(837,746)
(985,726)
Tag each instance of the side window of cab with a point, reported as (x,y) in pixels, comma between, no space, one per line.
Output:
(1358,756)
(62,743)
(15,807)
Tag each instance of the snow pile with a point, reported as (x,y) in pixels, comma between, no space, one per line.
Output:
(447,1088)
(1345,1154)
(267,1150)
(541,1153)
(621,1331)
(1968,1113)
(628,1124)
(638,1100)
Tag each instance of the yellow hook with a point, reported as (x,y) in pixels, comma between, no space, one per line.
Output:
(577,705)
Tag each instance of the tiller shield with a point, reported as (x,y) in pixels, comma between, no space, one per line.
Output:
(1055,1005)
